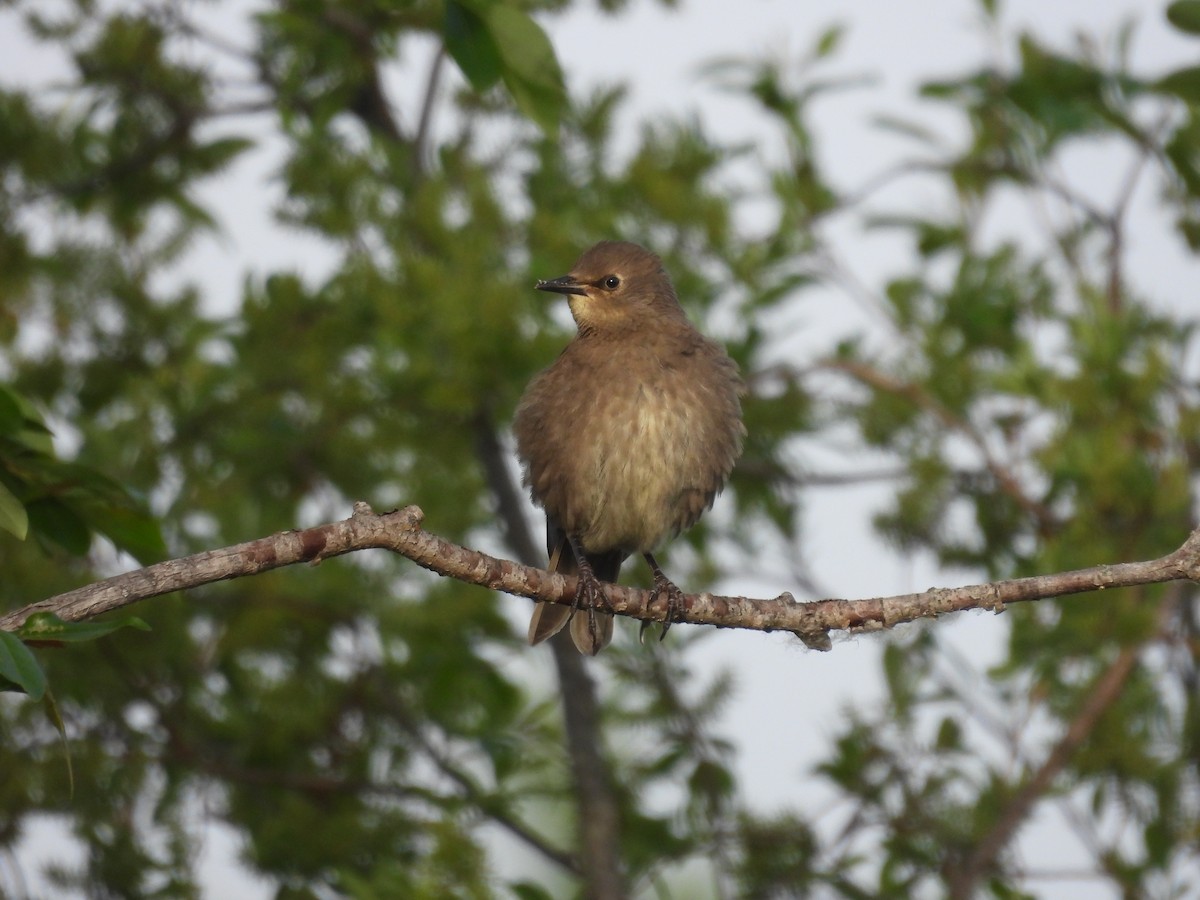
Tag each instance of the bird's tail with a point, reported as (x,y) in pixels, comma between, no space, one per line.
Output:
(549,618)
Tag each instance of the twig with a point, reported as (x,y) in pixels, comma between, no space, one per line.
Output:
(510,501)
(425,123)
(923,399)
(963,882)
(492,806)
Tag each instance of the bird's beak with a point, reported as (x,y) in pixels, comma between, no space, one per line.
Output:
(565,285)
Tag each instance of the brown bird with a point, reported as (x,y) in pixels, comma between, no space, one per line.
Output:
(628,437)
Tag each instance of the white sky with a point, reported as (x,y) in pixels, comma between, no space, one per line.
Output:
(789,699)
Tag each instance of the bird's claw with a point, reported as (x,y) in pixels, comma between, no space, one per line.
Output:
(663,588)
(590,596)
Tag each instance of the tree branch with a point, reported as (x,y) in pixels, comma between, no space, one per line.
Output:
(400,531)
(963,882)
(917,394)
(425,124)
(599,816)
(491,805)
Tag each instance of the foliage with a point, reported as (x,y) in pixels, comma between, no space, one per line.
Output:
(362,726)
(63,506)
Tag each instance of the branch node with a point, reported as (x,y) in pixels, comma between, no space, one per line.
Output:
(1186,559)
(313,544)
(361,509)
(993,601)
(815,640)
(413,517)
(1103,577)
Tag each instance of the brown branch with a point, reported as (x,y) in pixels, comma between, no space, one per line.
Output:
(369,101)
(510,499)
(491,805)
(400,531)
(425,123)
(964,880)
(923,399)
(332,785)
(599,816)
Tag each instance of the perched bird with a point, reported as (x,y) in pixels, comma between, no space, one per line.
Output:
(628,436)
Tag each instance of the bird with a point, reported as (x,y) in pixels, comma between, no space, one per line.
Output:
(627,437)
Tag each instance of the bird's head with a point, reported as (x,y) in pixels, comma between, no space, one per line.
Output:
(616,286)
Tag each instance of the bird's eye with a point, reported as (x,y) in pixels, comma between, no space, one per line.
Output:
(612,282)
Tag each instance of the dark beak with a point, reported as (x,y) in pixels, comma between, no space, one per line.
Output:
(564,285)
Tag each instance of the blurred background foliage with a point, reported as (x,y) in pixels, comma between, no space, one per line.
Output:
(361,727)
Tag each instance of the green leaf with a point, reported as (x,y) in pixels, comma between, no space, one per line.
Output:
(132,530)
(102,505)
(55,521)
(491,41)
(47,626)
(55,716)
(19,669)
(11,416)
(1183,83)
(829,40)
(530,69)
(30,432)
(1189,228)
(527,890)
(470,44)
(1185,15)
(13,516)
(949,735)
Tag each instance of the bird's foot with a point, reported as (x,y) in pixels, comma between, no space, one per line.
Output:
(665,589)
(590,597)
